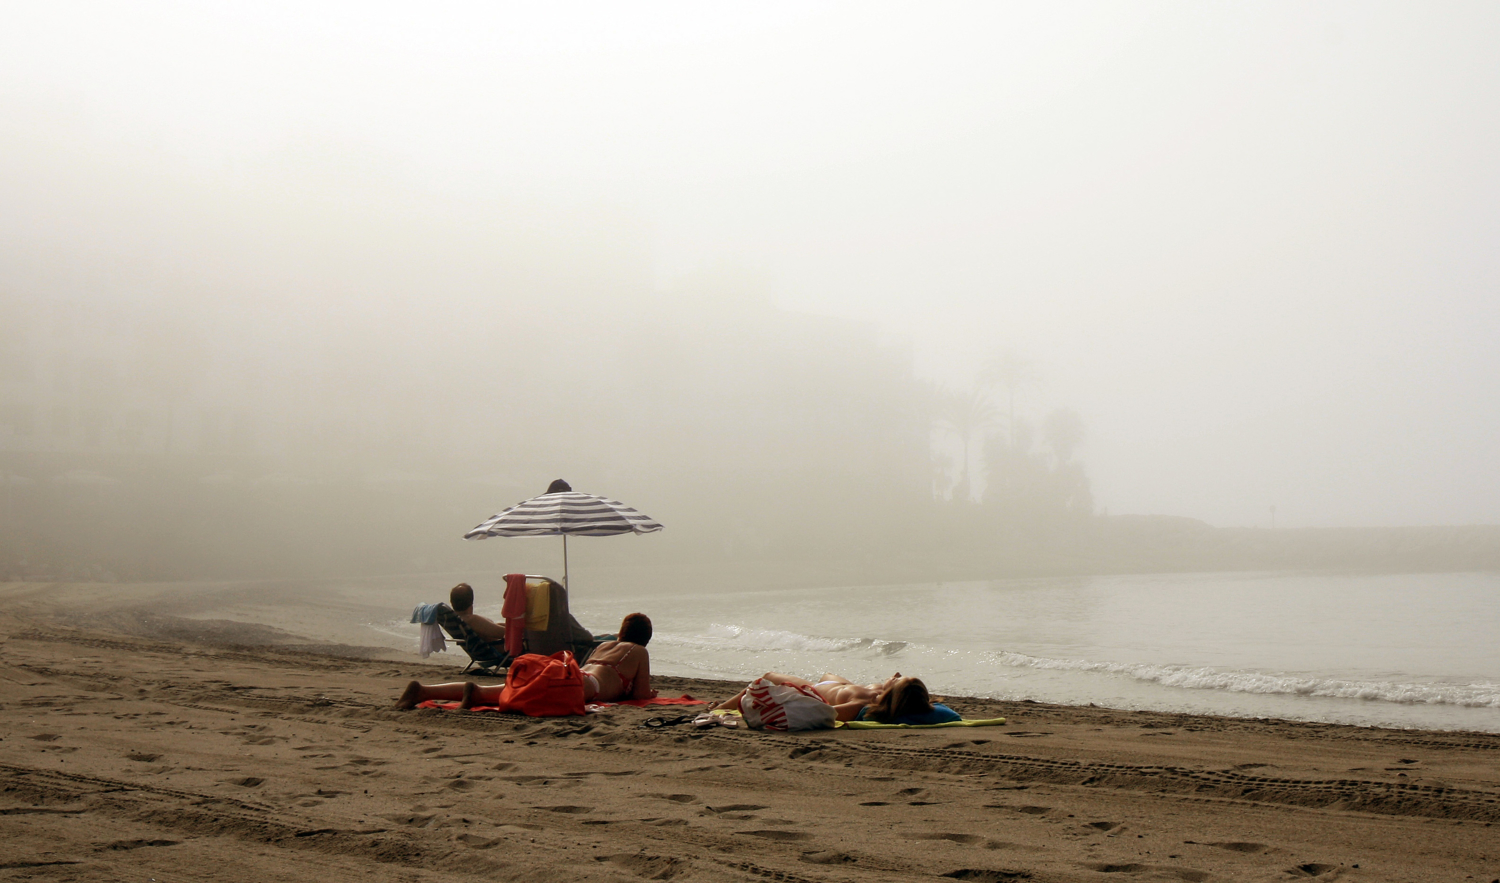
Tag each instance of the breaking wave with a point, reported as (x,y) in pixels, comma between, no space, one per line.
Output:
(963,669)
(761,640)
(1480,695)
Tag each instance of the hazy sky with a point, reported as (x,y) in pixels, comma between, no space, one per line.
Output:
(1255,246)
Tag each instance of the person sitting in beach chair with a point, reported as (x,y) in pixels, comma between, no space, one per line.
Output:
(898,700)
(479,636)
(537,621)
(617,670)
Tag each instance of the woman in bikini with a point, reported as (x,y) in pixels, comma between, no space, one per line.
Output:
(616,670)
(621,669)
(897,700)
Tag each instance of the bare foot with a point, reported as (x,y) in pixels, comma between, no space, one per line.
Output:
(470,694)
(410,696)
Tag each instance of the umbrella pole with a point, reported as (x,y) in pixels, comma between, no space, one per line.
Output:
(565,561)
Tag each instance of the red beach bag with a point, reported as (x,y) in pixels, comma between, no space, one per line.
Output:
(543,686)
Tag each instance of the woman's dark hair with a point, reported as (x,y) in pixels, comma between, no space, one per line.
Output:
(908,696)
(636,628)
(461,597)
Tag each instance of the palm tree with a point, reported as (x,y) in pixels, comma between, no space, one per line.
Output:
(1063,430)
(1007,371)
(966,415)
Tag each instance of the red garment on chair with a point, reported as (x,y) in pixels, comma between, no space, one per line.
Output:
(514,613)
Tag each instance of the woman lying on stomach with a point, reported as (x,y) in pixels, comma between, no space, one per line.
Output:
(616,670)
(898,700)
(621,669)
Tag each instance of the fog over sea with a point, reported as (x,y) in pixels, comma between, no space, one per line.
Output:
(1407,650)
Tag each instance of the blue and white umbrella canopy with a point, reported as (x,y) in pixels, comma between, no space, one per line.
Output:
(565,513)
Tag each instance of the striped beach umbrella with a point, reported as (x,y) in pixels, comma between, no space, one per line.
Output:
(564,512)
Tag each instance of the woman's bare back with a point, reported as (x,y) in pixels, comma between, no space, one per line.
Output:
(616,665)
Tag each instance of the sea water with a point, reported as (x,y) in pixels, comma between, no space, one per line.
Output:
(1408,650)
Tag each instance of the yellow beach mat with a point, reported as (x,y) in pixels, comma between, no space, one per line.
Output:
(875,725)
(729,718)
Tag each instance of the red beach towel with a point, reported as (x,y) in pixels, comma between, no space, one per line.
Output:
(592,706)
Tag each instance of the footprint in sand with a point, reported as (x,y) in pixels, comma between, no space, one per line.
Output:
(1311,869)
(1192,875)
(474,841)
(138,844)
(964,839)
(675,798)
(571,810)
(829,858)
(987,875)
(740,812)
(1103,826)
(777,835)
(738,807)
(1240,846)
(143,758)
(652,867)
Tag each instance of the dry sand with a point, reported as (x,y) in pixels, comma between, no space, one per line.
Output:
(137,746)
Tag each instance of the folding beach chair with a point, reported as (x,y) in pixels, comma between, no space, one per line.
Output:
(550,626)
(485,658)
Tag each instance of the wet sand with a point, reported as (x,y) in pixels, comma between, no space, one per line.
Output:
(196,746)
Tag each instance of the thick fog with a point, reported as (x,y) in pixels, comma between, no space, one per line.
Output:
(765,272)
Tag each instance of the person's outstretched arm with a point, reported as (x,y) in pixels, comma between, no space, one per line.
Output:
(486,628)
(642,687)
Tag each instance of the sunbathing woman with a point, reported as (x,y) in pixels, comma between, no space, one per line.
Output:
(621,669)
(616,670)
(897,700)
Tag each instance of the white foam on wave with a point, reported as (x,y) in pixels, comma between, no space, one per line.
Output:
(724,644)
(1481,695)
(760,640)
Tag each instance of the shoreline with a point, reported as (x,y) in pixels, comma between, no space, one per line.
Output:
(185,750)
(337,616)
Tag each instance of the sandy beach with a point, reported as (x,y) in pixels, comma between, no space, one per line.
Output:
(143,746)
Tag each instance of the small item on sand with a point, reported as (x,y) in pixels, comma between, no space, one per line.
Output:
(656,723)
(722,717)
